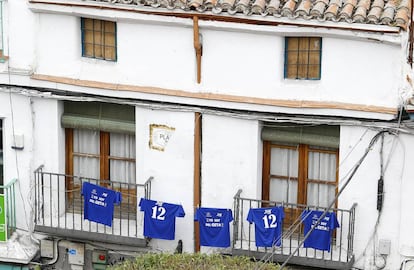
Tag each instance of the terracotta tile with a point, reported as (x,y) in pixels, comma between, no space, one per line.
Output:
(259,6)
(273,7)
(303,8)
(289,8)
(318,9)
(333,9)
(383,12)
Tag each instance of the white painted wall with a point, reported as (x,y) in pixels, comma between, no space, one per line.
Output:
(172,169)
(236,63)
(242,63)
(231,160)
(396,215)
(38,121)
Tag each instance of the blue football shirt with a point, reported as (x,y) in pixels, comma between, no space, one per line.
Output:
(99,203)
(267,225)
(320,237)
(214,226)
(159,218)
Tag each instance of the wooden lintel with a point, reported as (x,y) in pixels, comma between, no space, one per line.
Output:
(305,104)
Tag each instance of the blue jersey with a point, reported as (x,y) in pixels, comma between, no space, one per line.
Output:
(267,225)
(214,226)
(159,218)
(99,203)
(320,237)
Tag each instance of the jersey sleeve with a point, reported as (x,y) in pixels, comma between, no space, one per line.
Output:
(334,221)
(230,213)
(304,215)
(84,187)
(282,212)
(180,212)
(118,198)
(142,204)
(196,215)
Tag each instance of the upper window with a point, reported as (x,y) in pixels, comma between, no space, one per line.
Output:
(98,39)
(303,58)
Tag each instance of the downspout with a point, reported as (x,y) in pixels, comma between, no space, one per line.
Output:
(1,32)
(3,56)
(198,47)
(411,38)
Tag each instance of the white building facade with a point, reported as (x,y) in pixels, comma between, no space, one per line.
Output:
(196,103)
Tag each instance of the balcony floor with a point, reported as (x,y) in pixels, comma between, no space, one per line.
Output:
(335,259)
(72,225)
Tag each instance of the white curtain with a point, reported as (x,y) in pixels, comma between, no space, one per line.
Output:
(122,146)
(86,142)
(321,166)
(284,162)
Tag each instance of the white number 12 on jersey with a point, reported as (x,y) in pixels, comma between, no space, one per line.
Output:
(158,212)
(269,221)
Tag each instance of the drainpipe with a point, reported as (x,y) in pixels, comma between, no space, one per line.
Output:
(198,46)
(411,38)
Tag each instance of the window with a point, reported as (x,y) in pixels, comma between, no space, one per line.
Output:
(100,148)
(98,39)
(300,167)
(301,174)
(303,58)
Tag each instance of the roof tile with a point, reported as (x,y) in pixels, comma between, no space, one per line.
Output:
(376,9)
(273,7)
(319,8)
(380,12)
(333,9)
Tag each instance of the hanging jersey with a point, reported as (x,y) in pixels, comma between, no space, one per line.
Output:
(214,226)
(99,203)
(320,237)
(159,218)
(267,225)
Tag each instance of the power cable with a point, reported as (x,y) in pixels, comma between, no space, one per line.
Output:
(355,169)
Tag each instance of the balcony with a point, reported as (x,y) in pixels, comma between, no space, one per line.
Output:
(8,214)
(59,209)
(340,256)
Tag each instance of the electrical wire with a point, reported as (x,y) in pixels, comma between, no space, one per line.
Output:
(267,257)
(374,232)
(17,160)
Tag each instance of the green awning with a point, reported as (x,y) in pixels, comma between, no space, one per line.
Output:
(321,135)
(99,116)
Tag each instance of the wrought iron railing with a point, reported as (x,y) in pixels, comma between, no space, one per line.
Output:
(59,204)
(8,192)
(341,253)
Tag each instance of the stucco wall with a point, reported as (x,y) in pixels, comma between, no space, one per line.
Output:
(38,122)
(236,63)
(172,168)
(392,223)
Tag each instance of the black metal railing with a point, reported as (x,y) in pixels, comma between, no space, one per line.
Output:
(59,205)
(340,256)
